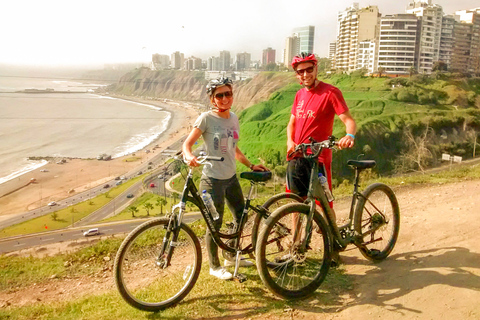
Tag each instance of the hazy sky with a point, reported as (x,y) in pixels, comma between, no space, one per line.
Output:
(72,32)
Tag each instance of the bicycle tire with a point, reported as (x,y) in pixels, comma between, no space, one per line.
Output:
(378,209)
(139,276)
(296,274)
(254,222)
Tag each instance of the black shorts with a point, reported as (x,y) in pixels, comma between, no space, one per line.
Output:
(298,175)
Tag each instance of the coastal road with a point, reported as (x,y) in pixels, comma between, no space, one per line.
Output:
(156,161)
(76,234)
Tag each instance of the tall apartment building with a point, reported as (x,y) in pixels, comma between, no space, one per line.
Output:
(177,60)
(354,25)
(224,61)
(306,38)
(160,61)
(398,43)
(243,61)
(430,31)
(213,63)
(193,63)
(292,48)
(447,40)
(367,56)
(466,49)
(268,56)
(332,46)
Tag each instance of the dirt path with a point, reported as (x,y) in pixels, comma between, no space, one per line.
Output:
(433,272)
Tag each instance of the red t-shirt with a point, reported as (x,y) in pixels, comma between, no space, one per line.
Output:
(314,112)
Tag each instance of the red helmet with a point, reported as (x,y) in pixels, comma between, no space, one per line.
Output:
(303,57)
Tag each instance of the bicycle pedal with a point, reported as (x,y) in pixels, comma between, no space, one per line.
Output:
(240,278)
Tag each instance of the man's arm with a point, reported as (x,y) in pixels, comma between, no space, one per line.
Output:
(290,134)
(350,127)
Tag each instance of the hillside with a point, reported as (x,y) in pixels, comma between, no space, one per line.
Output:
(403,123)
(386,111)
(190,86)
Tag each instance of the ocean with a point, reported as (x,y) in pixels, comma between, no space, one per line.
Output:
(73,125)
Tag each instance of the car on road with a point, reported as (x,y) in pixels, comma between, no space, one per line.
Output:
(119,183)
(160,177)
(106,186)
(117,178)
(129,195)
(152,185)
(51,204)
(91,232)
(140,172)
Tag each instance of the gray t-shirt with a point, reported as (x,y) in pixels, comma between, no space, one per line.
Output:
(221,137)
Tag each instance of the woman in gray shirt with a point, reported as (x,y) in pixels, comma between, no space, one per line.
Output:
(220,131)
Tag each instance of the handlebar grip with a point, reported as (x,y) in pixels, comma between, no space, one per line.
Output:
(212,158)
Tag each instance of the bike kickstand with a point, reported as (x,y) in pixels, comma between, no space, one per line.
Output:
(238,276)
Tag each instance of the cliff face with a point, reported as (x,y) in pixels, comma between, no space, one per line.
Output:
(190,86)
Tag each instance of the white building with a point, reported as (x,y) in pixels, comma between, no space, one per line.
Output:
(366,56)
(398,43)
(430,31)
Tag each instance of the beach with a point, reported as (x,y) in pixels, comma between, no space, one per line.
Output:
(55,181)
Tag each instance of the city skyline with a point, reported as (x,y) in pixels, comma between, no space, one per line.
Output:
(55,32)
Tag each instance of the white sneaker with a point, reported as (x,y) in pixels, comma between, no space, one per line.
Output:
(221,273)
(243,263)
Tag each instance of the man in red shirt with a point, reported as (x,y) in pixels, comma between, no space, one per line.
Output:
(313,112)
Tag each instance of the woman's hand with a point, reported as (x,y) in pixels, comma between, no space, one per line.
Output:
(259,167)
(192,161)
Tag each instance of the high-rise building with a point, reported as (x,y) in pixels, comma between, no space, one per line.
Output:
(306,37)
(398,43)
(367,56)
(224,61)
(193,63)
(430,31)
(331,52)
(160,61)
(177,60)
(213,63)
(447,40)
(268,56)
(354,25)
(466,48)
(292,48)
(243,61)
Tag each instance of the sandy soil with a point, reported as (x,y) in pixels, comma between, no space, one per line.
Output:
(433,272)
(18,195)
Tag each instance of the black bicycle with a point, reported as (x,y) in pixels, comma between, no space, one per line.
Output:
(299,240)
(159,262)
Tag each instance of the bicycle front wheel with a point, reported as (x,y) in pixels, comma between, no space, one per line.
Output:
(286,268)
(377,221)
(142,275)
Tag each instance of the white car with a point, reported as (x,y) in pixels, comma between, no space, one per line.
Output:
(51,204)
(91,232)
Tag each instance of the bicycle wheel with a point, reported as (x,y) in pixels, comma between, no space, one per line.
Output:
(250,230)
(140,274)
(287,270)
(377,221)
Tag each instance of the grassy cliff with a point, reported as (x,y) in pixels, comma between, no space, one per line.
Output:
(394,116)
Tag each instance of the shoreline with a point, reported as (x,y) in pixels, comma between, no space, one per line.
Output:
(55,181)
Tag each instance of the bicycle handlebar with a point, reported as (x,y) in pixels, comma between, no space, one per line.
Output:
(315,147)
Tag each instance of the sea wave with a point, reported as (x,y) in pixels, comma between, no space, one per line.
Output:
(32,165)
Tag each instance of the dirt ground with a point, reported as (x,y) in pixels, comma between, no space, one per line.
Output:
(433,272)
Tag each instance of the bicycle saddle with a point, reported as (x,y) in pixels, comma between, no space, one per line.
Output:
(362,164)
(257,176)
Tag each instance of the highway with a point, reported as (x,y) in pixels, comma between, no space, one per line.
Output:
(118,204)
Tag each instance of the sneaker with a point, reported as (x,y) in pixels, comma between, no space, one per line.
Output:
(285,258)
(221,273)
(243,263)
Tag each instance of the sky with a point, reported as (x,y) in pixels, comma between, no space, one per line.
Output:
(86,32)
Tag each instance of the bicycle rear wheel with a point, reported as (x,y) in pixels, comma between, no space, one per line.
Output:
(377,220)
(141,276)
(287,270)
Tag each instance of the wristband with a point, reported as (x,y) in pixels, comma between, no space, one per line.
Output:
(350,135)
(251,166)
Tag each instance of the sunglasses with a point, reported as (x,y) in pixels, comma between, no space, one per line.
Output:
(227,94)
(301,72)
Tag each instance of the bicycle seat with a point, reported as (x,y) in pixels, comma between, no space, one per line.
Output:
(257,176)
(361,164)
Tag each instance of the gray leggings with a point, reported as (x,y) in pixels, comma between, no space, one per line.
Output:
(221,190)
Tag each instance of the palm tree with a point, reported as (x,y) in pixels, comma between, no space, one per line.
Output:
(133,210)
(148,206)
(160,203)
